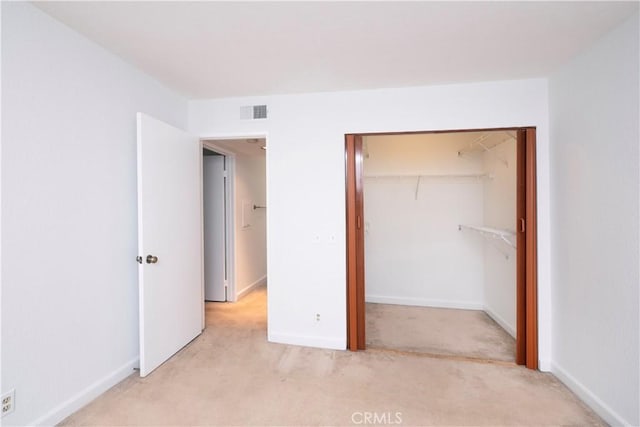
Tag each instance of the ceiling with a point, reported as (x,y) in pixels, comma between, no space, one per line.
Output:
(224,49)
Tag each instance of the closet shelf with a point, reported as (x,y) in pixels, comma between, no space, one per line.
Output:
(484,144)
(506,236)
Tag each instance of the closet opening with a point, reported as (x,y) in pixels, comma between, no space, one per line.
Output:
(447,223)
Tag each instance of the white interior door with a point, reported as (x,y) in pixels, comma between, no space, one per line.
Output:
(169,229)
(214,228)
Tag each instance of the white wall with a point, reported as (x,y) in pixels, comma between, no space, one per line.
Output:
(595,132)
(306,183)
(415,254)
(500,212)
(251,241)
(69,276)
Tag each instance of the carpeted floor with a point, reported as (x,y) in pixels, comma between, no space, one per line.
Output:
(231,375)
(440,331)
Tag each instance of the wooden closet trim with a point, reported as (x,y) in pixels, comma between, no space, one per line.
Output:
(355,243)
(531,251)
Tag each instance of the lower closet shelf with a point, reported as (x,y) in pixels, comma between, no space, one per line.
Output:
(506,236)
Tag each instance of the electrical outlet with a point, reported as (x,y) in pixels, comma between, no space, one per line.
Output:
(8,402)
(317,317)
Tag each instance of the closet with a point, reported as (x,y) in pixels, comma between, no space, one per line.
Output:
(440,242)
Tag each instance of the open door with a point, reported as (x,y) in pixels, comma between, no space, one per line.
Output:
(214,228)
(169,240)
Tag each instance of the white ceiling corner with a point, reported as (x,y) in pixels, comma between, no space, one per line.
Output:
(223,49)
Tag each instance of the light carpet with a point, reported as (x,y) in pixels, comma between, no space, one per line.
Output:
(441,331)
(231,375)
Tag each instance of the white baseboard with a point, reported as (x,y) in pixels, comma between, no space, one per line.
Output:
(500,321)
(249,288)
(332,343)
(544,365)
(594,402)
(423,302)
(85,396)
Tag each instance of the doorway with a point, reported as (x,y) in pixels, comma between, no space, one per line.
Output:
(234,217)
(522,239)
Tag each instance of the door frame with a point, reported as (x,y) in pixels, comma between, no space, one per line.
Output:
(209,142)
(229,208)
(526,251)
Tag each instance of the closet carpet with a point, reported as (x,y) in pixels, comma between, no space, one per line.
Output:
(438,331)
(231,375)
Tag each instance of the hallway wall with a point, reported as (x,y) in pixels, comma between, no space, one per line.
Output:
(251,241)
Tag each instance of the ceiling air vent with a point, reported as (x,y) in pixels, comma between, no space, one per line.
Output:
(253,112)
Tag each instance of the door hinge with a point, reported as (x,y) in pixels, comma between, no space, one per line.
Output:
(522,226)
(358,222)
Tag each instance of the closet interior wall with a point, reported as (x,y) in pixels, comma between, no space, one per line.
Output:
(418,190)
(499,212)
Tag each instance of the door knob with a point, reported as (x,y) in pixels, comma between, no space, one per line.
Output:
(152,259)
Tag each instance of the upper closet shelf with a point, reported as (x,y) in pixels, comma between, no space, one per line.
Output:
(486,143)
(507,236)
